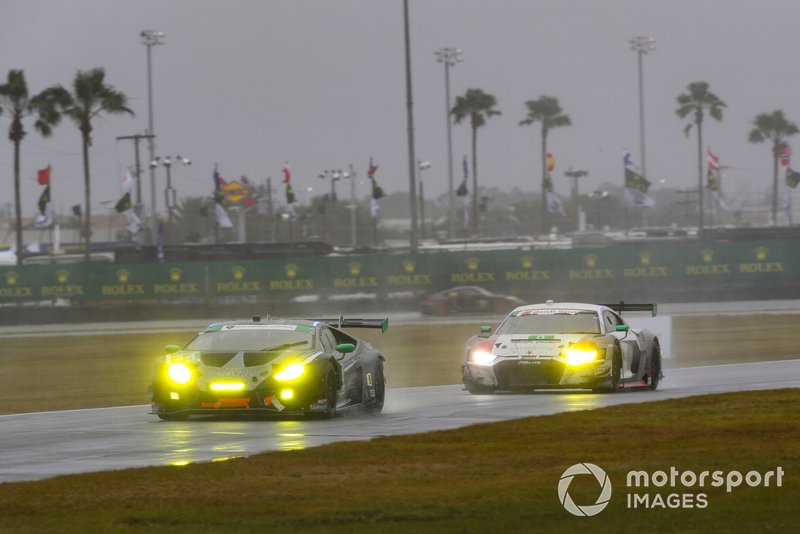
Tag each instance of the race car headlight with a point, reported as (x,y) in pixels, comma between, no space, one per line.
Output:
(179,373)
(293,371)
(481,357)
(582,353)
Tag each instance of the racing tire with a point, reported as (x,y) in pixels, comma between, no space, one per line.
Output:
(612,386)
(331,393)
(476,389)
(173,416)
(655,367)
(375,407)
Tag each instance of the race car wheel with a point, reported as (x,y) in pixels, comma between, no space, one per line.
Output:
(376,406)
(612,386)
(331,389)
(476,389)
(655,367)
(173,416)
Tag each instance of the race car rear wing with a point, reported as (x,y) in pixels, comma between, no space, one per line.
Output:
(341,322)
(622,307)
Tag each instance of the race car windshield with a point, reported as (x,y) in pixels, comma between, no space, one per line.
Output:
(255,340)
(551,323)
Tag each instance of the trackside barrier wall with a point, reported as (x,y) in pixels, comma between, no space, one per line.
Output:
(661,271)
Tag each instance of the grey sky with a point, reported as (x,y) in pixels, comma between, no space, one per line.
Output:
(251,84)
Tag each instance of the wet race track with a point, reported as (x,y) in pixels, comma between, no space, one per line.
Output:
(40,445)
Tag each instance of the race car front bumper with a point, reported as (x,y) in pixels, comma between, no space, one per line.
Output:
(192,401)
(540,373)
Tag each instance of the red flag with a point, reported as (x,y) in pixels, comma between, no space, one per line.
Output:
(786,155)
(43,176)
(713,161)
(287,174)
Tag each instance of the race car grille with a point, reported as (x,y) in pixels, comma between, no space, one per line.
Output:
(252,359)
(216,359)
(516,373)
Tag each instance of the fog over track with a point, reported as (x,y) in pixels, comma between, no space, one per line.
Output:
(41,445)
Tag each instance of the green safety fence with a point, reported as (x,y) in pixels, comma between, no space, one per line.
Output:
(618,267)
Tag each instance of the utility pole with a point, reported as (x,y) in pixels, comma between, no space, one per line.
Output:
(353,237)
(136,138)
(270,210)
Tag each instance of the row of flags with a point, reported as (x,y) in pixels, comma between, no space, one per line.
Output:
(243,192)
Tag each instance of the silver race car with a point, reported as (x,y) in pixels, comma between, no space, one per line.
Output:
(267,366)
(564,345)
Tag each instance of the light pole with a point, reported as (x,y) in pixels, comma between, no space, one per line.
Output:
(449,56)
(334,176)
(598,195)
(151,38)
(422,165)
(412,174)
(575,174)
(170,194)
(642,45)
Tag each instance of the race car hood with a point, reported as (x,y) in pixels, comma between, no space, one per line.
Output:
(250,367)
(542,346)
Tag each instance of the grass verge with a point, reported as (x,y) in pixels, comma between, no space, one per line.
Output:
(499,477)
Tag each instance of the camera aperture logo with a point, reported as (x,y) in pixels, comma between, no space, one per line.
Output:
(670,488)
(602,499)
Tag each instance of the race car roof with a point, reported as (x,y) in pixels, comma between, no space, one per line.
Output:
(581,306)
(550,305)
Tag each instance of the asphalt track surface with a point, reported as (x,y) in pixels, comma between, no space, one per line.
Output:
(41,445)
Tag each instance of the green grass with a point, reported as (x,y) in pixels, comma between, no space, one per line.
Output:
(499,477)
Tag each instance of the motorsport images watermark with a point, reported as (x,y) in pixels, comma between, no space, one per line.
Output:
(643,486)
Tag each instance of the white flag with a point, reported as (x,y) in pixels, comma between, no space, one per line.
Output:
(134,223)
(222,216)
(554,204)
(44,220)
(636,199)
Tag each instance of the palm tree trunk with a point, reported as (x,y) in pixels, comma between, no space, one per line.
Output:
(87,226)
(17,203)
(545,214)
(475,226)
(775,153)
(700,174)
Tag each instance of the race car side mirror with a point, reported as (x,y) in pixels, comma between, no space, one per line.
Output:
(344,348)
(623,328)
(485,331)
(171,349)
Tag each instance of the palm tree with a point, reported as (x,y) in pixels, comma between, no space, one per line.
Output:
(478,106)
(548,112)
(90,98)
(697,102)
(15,97)
(774,127)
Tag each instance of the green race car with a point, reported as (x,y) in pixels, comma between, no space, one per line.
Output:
(268,366)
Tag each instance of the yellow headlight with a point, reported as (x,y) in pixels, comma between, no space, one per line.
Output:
(287,394)
(580,356)
(179,373)
(293,371)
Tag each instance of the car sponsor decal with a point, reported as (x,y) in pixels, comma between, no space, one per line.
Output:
(260,327)
(548,312)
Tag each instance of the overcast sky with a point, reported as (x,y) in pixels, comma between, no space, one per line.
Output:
(251,84)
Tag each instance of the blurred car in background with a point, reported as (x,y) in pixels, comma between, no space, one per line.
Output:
(468,299)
